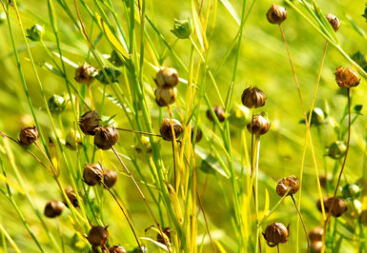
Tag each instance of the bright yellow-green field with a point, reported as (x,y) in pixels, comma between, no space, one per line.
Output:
(205,191)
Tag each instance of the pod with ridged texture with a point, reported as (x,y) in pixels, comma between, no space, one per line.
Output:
(105,137)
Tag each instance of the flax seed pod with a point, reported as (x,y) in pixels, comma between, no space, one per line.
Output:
(276,233)
(35,33)
(337,149)
(98,236)
(334,21)
(105,137)
(199,134)
(117,249)
(276,14)
(165,95)
(167,77)
(93,174)
(88,122)
(110,178)
(53,209)
(70,193)
(338,208)
(167,233)
(219,113)
(316,234)
(346,77)
(258,125)
(85,74)
(288,185)
(253,97)
(28,135)
(166,130)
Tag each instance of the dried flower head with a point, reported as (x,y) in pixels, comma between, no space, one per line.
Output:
(338,208)
(117,249)
(258,125)
(167,233)
(288,185)
(85,74)
(276,233)
(346,77)
(106,137)
(88,122)
(166,130)
(218,111)
(98,236)
(56,104)
(53,208)
(363,217)
(276,14)
(93,173)
(165,95)
(337,149)
(199,134)
(253,97)
(110,178)
(28,135)
(316,234)
(166,77)
(70,193)
(334,21)
(73,140)
(35,33)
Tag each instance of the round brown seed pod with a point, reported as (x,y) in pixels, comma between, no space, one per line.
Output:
(166,130)
(199,134)
(334,21)
(105,137)
(316,246)
(276,233)
(85,74)
(338,208)
(166,77)
(167,232)
(165,95)
(363,217)
(98,236)
(346,77)
(70,193)
(258,125)
(253,97)
(288,184)
(316,234)
(318,203)
(28,135)
(88,122)
(219,112)
(93,173)
(117,249)
(276,14)
(110,178)
(53,208)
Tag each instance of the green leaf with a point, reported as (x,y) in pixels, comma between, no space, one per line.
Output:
(198,27)
(326,26)
(231,10)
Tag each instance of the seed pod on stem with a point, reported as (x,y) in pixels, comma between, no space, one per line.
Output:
(88,122)
(337,149)
(53,209)
(117,249)
(253,97)
(93,173)
(199,134)
(167,77)
(105,137)
(276,233)
(166,130)
(98,236)
(70,193)
(28,135)
(338,208)
(258,125)
(167,234)
(110,178)
(316,234)
(334,21)
(85,74)
(219,113)
(56,104)
(35,33)
(288,185)
(346,77)
(165,95)
(276,14)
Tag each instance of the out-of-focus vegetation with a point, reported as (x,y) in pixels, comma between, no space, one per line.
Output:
(218,167)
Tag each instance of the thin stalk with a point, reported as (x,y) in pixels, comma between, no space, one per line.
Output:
(340,174)
(12,243)
(303,223)
(138,132)
(257,153)
(278,248)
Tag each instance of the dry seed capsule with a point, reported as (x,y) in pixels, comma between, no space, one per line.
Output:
(165,95)
(276,233)
(117,249)
(106,137)
(166,130)
(98,236)
(288,184)
(85,74)
(346,77)
(53,208)
(72,140)
(338,208)
(70,193)
(218,111)
(199,134)
(167,77)
(88,122)
(363,217)
(28,135)
(167,232)
(35,33)
(316,234)
(93,173)
(316,246)
(253,97)
(110,178)
(318,203)
(276,14)
(337,149)
(334,21)
(258,125)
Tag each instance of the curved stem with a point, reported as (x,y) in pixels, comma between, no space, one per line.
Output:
(340,174)
(303,223)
